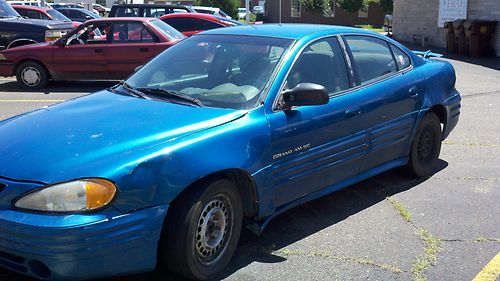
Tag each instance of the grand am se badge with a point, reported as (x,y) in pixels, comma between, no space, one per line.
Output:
(292,150)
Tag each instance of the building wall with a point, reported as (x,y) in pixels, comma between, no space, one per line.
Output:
(375,15)
(412,17)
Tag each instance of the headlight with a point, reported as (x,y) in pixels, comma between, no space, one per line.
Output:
(2,57)
(79,195)
(54,34)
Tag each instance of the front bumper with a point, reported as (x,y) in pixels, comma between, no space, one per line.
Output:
(6,68)
(80,246)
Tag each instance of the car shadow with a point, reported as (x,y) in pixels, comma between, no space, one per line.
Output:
(299,222)
(60,87)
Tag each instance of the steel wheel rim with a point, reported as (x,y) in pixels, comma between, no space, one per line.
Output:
(31,76)
(213,229)
(425,145)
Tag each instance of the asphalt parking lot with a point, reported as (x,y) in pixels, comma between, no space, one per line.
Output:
(389,227)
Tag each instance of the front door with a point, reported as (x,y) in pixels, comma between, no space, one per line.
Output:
(84,55)
(316,146)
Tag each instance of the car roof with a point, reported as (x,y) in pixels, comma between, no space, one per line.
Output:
(151,5)
(29,7)
(137,19)
(190,15)
(290,30)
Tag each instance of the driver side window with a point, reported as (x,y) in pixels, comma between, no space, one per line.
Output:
(321,63)
(91,34)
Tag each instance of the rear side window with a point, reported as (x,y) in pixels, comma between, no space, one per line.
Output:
(182,24)
(326,56)
(127,12)
(402,59)
(36,15)
(132,32)
(207,25)
(372,57)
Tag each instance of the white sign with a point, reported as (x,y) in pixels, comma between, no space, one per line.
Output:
(450,10)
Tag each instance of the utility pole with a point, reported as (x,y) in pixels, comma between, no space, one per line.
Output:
(247,7)
(279,9)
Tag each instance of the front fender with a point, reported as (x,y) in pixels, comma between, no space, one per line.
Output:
(159,177)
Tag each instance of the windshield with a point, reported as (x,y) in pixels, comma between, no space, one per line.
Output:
(6,11)
(54,14)
(167,30)
(219,70)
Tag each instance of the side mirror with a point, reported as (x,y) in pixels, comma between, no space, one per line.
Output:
(305,94)
(88,17)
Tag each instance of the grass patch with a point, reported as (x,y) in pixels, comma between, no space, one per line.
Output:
(429,256)
(371,27)
(326,255)
(403,212)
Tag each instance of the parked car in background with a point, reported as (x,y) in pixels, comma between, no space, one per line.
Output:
(96,50)
(258,10)
(227,129)
(33,12)
(242,13)
(70,5)
(78,14)
(211,11)
(192,23)
(147,10)
(103,11)
(17,31)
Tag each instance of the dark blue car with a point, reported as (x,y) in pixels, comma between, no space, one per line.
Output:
(230,127)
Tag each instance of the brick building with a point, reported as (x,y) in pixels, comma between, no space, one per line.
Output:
(292,12)
(413,19)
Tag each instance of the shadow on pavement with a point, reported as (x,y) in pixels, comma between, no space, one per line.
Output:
(60,87)
(299,223)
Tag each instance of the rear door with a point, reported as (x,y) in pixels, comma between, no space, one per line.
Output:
(132,45)
(393,96)
(314,147)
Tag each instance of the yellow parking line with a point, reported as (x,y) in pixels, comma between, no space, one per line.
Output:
(31,100)
(491,271)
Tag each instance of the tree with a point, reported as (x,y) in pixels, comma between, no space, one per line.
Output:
(386,5)
(230,7)
(351,5)
(317,6)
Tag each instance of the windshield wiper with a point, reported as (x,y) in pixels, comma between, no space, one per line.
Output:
(171,94)
(133,92)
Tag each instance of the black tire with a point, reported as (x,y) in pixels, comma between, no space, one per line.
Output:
(32,75)
(183,249)
(426,146)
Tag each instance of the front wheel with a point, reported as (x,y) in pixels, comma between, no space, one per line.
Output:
(426,147)
(32,75)
(202,230)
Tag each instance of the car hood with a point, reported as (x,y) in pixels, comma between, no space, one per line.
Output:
(50,24)
(27,47)
(79,137)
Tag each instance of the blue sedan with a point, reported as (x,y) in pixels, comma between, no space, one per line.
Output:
(226,129)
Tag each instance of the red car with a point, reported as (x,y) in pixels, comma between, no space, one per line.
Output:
(192,23)
(33,12)
(101,49)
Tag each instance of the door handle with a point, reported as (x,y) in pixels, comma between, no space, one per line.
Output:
(99,51)
(145,50)
(413,92)
(352,111)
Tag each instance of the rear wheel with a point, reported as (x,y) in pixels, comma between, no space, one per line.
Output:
(426,147)
(32,75)
(202,231)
